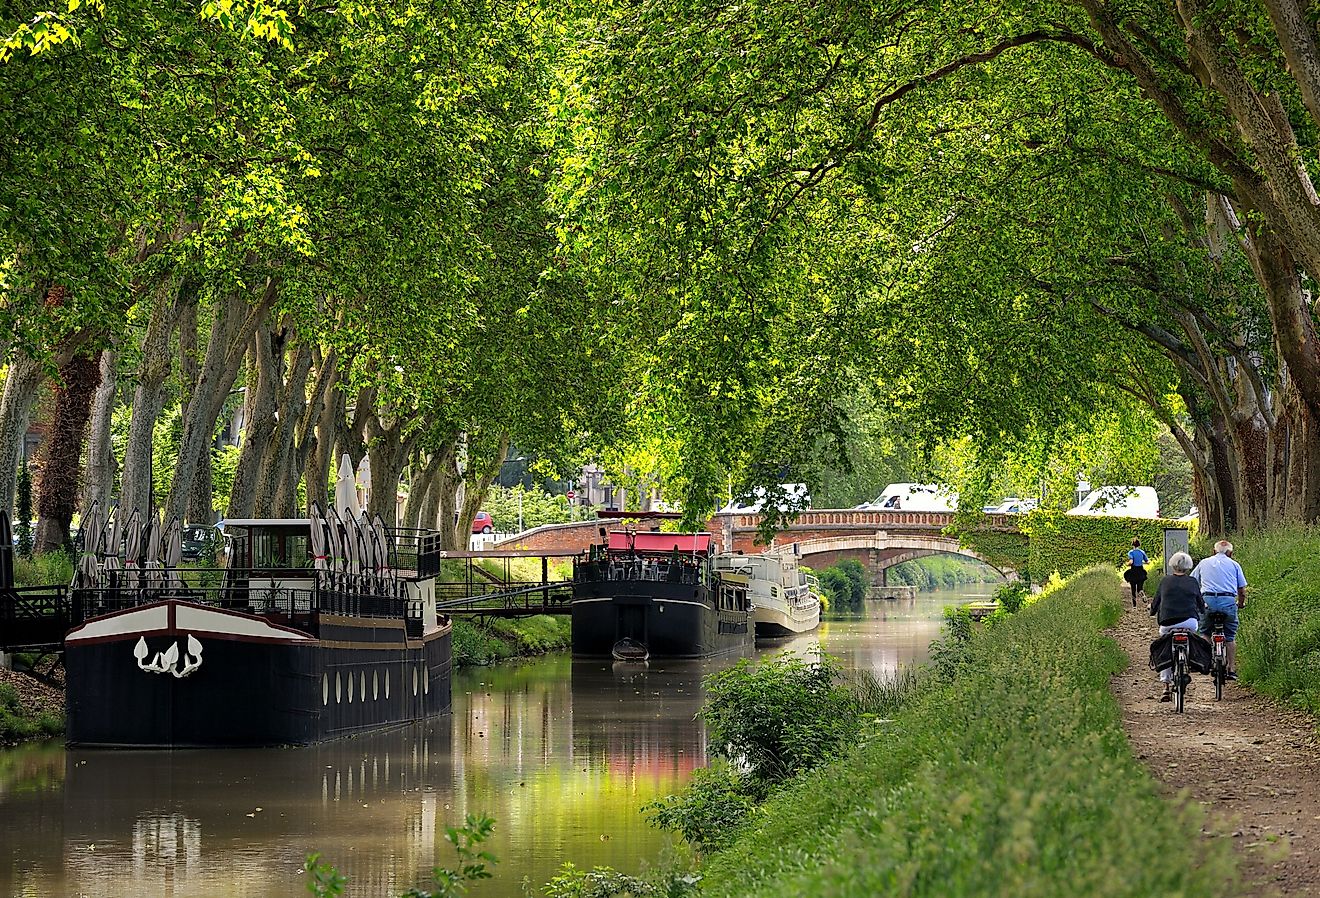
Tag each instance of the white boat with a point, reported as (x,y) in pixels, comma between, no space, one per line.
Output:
(785,599)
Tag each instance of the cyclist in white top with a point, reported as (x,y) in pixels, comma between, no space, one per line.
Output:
(1224,588)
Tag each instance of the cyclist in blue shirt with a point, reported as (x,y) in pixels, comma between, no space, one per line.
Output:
(1135,575)
(1224,588)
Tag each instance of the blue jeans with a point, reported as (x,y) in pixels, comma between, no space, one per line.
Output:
(1226,604)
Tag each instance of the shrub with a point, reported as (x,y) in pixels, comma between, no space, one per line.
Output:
(709,811)
(49,569)
(781,716)
(1012,596)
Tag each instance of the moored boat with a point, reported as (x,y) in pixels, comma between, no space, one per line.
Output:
(658,591)
(316,628)
(784,600)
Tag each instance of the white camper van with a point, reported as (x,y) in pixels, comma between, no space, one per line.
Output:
(1120,502)
(914,497)
(795,493)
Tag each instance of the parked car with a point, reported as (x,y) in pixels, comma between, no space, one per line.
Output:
(1120,502)
(1012,505)
(483,523)
(795,494)
(196,538)
(914,497)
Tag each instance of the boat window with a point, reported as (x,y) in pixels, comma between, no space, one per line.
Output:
(414,681)
(375,685)
(426,683)
(338,689)
(363,693)
(350,687)
(325,689)
(387,682)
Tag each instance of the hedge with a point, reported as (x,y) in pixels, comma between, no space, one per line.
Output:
(1049,541)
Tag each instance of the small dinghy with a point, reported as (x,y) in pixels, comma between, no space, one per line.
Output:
(629,649)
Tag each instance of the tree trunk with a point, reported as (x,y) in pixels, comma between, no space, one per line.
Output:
(447,482)
(477,488)
(100,483)
(231,334)
(61,463)
(419,491)
(277,481)
(23,381)
(260,422)
(148,400)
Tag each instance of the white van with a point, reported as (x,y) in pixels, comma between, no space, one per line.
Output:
(795,493)
(914,497)
(1120,502)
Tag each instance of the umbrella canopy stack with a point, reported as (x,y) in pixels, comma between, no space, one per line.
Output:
(132,549)
(6,553)
(172,554)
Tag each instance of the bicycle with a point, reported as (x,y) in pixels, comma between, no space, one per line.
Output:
(1181,671)
(1219,662)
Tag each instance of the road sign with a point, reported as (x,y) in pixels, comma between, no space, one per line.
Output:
(571,495)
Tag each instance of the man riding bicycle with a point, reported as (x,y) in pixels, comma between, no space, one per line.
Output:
(1224,588)
(1177,606)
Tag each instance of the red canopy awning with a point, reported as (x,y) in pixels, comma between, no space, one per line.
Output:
(650,541)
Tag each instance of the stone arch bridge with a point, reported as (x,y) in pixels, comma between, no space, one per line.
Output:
(878,539)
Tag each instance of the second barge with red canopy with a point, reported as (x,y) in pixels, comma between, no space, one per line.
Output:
(660,591)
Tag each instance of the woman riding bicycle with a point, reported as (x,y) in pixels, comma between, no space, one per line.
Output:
(1135,575)
(1177,606)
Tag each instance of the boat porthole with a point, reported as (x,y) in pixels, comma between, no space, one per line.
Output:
(375,685)
(426,683)
(325,689)
(387,682)
(338,689)
(414,681)
(350,686)
(362,690)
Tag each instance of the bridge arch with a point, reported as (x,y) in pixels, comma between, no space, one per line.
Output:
(881,551)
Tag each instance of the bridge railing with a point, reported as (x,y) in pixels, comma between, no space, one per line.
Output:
(856,517)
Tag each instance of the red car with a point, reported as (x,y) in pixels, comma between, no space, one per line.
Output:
(482,523)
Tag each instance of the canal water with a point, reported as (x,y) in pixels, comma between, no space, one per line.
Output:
(562,754)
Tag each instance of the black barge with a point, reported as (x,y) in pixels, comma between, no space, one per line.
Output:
(660,591)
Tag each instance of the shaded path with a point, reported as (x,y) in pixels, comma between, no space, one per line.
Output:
(1254,765)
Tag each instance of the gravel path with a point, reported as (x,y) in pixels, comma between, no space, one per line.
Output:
(1254,765)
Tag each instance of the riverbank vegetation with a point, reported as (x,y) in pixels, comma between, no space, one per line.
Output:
(1003,771)
(28,709)
(1279,640)
(498,639)
(941,572)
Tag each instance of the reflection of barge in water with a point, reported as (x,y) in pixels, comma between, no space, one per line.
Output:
(661,591)
(318,628)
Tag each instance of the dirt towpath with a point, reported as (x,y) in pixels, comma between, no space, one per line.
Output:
(1254,765)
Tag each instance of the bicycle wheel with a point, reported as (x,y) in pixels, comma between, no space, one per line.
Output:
(1219,679)
(1179,684)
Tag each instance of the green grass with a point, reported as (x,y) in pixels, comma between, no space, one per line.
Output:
(1012,777)
(53,568)
(1279,641)
(17,723)
(508,638)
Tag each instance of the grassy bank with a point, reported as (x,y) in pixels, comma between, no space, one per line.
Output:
(1279,643)
(499,639)
(1011,776)
(28,709)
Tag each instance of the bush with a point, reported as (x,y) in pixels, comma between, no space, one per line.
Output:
(781,716)
(710,810)
(1012,596)
(1013,777)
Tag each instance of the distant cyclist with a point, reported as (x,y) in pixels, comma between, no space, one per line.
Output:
(1177,606)
(1135,575)
(1224,588)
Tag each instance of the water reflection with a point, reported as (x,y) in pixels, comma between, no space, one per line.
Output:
(561,754)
